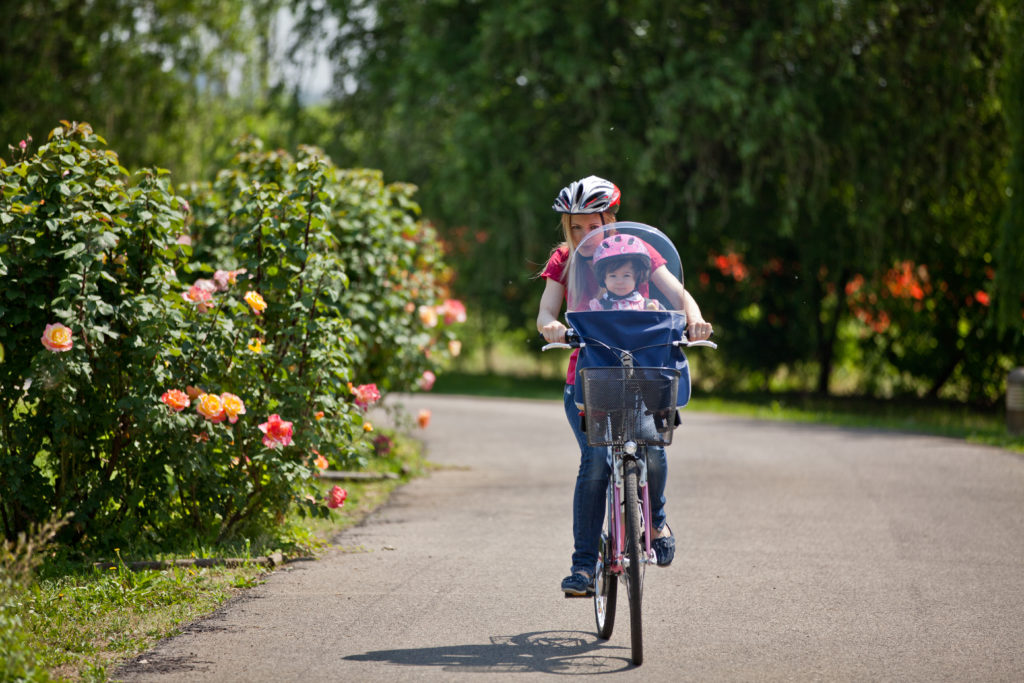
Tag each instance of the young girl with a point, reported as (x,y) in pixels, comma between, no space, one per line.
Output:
(622,264)
(586,205)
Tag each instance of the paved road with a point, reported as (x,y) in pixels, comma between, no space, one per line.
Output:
(805,553)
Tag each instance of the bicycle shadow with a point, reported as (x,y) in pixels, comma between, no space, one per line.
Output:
(570,653)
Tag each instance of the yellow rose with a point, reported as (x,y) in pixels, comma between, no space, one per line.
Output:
(211,407)
(233,407)
(255,301)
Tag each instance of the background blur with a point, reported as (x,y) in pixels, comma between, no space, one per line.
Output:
(844,179)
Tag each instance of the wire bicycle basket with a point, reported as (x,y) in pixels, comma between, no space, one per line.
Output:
(629,404)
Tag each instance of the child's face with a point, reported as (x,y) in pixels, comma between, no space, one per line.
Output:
(621,281)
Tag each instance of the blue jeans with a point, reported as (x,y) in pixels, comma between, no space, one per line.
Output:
(588,501)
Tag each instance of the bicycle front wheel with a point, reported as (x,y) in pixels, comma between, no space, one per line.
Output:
(634,558)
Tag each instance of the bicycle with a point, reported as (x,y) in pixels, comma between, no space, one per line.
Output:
(628,409)
(628,406)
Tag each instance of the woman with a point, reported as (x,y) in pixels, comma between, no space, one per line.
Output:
(586,205)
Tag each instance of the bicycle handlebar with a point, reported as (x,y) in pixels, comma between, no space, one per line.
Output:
(573,341)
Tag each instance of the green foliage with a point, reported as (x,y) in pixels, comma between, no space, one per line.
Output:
(284,300)
(18,560)
(171,83)
(1010,294)
(819,141)
(85,247)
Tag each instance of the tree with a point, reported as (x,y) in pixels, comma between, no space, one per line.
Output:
(170,83)
(820,141)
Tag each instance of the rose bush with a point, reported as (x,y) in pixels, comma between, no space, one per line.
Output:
(265,294)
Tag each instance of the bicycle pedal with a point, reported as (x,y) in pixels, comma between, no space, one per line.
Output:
(580,595)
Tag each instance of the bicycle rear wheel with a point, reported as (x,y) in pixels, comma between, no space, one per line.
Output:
(605,590)
(634,558)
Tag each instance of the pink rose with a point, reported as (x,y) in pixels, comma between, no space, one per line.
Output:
(221,278)
(366,395)
(276,432)
(336,497)
(226,278)
(200,294)
(426,382)
(453,311)
(57,337)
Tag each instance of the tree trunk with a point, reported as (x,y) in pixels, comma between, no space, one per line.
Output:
(827,333)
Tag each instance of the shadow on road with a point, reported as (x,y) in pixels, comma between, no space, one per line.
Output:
(557,652)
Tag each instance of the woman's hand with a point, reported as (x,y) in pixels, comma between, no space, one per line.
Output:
(547,313)
(698,330)
(553,332)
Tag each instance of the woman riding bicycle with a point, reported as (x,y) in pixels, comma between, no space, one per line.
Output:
(587,205)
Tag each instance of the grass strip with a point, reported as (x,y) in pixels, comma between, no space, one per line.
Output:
(78,619)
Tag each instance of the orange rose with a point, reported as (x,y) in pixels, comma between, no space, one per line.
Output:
(428,316)
(177,399)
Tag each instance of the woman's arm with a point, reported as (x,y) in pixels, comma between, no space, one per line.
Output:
(547,313)
(696,327)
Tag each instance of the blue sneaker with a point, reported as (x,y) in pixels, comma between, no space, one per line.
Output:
(578,585)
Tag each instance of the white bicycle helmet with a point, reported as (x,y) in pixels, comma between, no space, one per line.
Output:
(588,195)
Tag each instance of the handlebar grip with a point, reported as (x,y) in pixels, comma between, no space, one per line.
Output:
(572,339)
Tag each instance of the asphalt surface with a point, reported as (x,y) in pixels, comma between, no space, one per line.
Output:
(804,553)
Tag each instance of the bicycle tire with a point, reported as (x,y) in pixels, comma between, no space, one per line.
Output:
(634,559)
(606,589)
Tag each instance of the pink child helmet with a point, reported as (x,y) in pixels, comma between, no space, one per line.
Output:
(618,249)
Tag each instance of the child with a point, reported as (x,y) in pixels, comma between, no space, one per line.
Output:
(622,264)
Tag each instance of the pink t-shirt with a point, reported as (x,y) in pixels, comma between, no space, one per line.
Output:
(555,270)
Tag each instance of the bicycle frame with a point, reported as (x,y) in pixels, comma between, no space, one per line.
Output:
(616,523)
